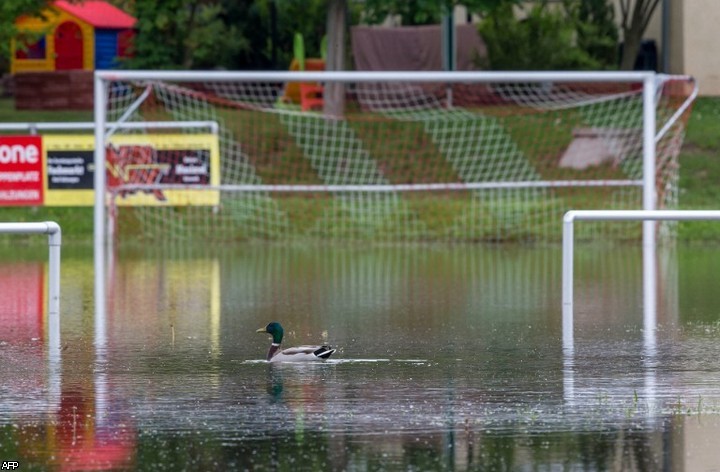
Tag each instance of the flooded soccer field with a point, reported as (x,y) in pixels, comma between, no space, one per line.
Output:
(449,358)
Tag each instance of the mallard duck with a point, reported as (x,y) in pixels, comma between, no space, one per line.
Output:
(292,354)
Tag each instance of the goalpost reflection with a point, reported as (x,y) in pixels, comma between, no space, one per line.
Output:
(660,285)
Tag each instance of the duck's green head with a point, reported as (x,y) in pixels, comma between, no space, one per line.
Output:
(273,329)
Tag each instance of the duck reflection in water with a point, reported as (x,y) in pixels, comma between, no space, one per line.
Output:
(275,384)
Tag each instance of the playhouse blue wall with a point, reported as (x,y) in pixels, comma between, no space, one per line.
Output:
(106,49)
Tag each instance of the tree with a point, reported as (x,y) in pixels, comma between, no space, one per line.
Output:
(183,34)
(636,15)
(597,32)
(125,5)
(307,17)
(254,19)
(334,94)
(423,12)
(546,39)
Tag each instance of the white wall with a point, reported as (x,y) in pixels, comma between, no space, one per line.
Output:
(700,41)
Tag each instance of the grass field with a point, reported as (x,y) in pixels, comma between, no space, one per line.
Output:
(700,169)
(8,114)
(700,172)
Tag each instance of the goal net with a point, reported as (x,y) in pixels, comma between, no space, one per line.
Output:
(394,157)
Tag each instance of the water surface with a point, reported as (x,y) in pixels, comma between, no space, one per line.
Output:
(448,358)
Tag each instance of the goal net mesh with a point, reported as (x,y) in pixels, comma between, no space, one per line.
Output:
(384,161)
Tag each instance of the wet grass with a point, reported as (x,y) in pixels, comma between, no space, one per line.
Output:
(76,223)
(8,114)
(700,170)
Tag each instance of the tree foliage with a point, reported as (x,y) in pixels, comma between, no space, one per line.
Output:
(307,17)
(422,12)
(597,32)
(183,34)
(543,40)
(576,34)
(229,34)
(258,34)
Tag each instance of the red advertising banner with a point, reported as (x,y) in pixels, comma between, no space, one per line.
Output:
(21,170)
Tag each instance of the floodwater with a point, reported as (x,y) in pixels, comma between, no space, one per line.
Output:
(449,358)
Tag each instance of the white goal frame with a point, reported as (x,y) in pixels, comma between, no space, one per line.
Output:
(649,136)
(649,266)
(54,233)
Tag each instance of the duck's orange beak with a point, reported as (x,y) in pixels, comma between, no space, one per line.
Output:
(261,330)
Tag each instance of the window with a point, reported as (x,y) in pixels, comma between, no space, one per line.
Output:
(30,50)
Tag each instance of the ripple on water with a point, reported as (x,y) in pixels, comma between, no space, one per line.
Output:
(339,361)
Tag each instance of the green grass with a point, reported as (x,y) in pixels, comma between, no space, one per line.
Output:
(76,223)
(700,170)
(8,114)
(704,125)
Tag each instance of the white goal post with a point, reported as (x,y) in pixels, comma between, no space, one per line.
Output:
(649,266)
(415,157)
(408,96)
(54,233)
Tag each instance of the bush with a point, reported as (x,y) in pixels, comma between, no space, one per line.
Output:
(597,32)
(547,39)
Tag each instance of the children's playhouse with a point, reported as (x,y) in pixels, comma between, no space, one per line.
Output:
(72,36)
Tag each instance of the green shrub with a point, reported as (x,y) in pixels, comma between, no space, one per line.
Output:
(547,39)
(597,32)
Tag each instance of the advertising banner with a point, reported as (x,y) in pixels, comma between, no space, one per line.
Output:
(21,170)
(154,159)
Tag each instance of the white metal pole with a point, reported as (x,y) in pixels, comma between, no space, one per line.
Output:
(649,260)
(680,110)
(649,204)
(374,76)
(567,282)
(54,243)
(649,191)
(54,233)
(54,351)
(99,209)
(641,215)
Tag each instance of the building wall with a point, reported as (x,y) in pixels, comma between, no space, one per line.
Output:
(700,21)
(106,46)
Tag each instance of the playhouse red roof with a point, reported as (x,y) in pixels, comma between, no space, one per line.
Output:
(98,13)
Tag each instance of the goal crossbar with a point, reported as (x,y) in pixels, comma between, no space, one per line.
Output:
(374,76)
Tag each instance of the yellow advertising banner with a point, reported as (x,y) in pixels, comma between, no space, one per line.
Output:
(133,159)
